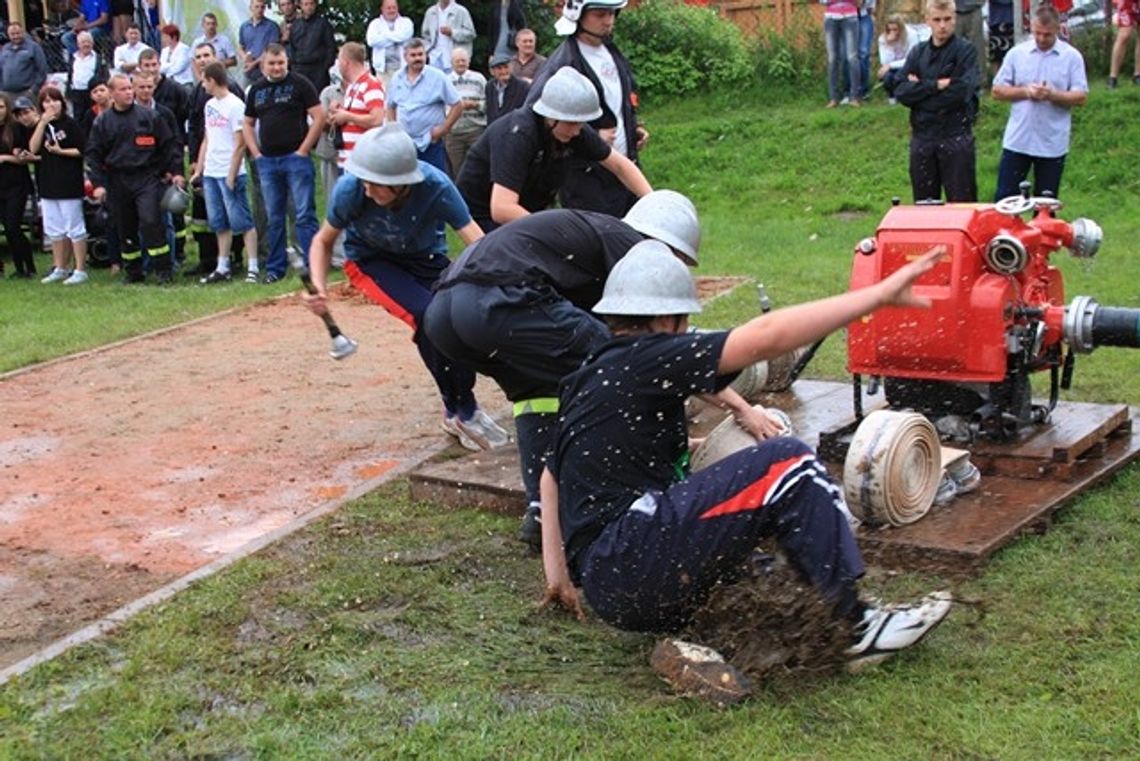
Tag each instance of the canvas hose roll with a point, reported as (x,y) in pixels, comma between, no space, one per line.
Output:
(893,468)
(728,438)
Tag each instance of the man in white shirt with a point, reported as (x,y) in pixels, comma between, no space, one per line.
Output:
(1044,77)
(589,48)
(386,37)
(447,27)
(127,54)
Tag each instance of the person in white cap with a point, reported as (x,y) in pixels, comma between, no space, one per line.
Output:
(522,159)
(390,206)
(589,49)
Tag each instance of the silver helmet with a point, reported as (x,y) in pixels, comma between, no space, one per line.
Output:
(669,217)
(649,281)
(568,96)
(385,156)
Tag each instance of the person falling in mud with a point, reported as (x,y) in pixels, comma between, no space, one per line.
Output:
(647,543)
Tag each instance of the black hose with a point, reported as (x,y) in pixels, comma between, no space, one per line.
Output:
(1116,326)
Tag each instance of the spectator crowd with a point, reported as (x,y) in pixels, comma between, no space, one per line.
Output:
(110,124)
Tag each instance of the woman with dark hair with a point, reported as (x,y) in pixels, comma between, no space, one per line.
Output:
(174,58)
(59,142)
(15,185)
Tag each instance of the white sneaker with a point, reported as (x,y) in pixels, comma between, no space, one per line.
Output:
(450,426)
(887,629)
(77,278)
(55,276)
(480,432)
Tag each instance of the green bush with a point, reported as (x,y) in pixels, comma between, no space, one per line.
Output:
(677,49)
(798,55)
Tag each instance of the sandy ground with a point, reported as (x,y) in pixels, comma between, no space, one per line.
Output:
(125,468)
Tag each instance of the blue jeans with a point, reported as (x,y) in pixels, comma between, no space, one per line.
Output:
(842,38)
(1014,167)
(866,37)
(284,179)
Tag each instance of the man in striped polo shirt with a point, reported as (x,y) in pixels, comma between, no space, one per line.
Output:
(363,105)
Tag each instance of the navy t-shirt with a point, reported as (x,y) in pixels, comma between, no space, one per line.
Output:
(517,153)
(282,111)
(621,428)
(568,250)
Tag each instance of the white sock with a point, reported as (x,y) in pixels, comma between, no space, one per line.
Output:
(223,264)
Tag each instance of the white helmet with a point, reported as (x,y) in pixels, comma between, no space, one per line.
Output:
(385,156)
(649,281)
(572,11)
(669,217)
(568,96)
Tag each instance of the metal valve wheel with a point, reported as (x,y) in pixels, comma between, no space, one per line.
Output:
(1045,202)
(1014,206)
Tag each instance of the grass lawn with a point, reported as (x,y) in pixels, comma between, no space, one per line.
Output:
(395,628)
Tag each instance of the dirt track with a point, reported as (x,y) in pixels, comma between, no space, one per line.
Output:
(125,468)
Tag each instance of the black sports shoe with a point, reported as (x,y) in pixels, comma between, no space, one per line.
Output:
(215,277)
(1112,83)
(530,531)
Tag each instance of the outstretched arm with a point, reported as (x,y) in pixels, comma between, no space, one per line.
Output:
(783,330)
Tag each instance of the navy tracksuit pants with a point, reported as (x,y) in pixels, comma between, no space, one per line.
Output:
(528,339)
(653,567)
(405,296)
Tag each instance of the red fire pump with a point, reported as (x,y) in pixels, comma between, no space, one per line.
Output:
(998,312)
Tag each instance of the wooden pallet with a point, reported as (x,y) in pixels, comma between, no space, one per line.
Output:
(1023,482)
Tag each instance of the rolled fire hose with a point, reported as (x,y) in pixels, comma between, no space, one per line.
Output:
(780,371)
(893,468)
(751,381)
(729,438)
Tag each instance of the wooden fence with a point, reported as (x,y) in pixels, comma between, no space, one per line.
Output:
(755,17)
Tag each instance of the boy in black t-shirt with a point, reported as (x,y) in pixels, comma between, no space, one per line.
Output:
(519,163)
(646,541)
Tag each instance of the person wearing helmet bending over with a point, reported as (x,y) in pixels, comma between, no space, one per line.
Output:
(520,162)
(647,544)
(390,206)
(515,306)
(589,48)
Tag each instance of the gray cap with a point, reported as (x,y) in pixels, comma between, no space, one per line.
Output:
(502,59)
(649,281)
(23,103)
(568,96)
(385,156)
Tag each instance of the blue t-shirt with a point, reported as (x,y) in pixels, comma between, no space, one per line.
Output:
(401,235)
(93,9)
